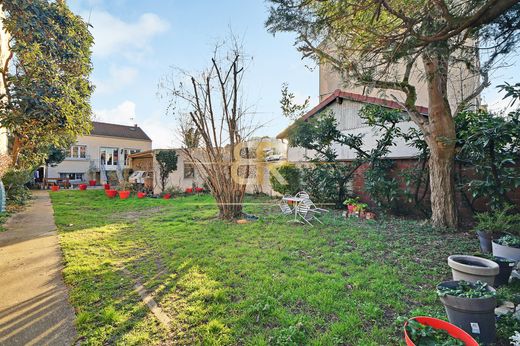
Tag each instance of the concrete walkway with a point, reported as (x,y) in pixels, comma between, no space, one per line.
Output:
(34,307)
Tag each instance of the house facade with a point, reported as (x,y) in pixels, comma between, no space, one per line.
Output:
(104,152)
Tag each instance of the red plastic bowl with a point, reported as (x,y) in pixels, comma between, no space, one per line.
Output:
(124,194)
(55,188)
(141,195)
(111,193)
(106,186)
(454,331)
(167,196)
(92,182)
(83,187)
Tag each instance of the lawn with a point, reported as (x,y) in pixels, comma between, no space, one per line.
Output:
(265,282)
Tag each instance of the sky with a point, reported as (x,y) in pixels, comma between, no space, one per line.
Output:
(137,43)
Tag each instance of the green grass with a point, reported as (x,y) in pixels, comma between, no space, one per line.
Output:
(265,282)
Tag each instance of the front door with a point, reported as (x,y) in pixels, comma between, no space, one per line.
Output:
(109,158)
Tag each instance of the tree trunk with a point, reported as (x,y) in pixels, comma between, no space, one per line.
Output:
(440,136)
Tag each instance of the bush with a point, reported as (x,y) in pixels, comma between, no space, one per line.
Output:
(15,181)
(291,174)
(326,182)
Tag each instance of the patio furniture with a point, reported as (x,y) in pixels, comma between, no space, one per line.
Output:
(304,195)
(286,208)
(307,211)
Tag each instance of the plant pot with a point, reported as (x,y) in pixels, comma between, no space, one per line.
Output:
(189,190)
(473,269)
(351,208)
(485,240)
(141,195)
(92,182)
(506,267)
(167,196)
(111,193)
(199,189)
(82,187)
(476,316)
(55,188)
(508,252)
(435,323)
(106,186)
(124,194)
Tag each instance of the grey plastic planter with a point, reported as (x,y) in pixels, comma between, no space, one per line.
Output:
(485,240)
(473,269)
(511,253)
(476,316)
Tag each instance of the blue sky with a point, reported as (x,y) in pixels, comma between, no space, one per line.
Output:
(137,43)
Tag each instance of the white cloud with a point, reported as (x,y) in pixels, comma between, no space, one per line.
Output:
(123,114)
(113,35)
(118,77)
(158,128)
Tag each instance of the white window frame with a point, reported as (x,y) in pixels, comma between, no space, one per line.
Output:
(75,152)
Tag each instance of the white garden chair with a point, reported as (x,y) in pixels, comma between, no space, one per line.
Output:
(307,212)
(305,196)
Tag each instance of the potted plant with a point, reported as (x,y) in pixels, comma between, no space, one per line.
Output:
(55,188)
(189,190)
(124,190)
(167,195)
(141,195)
(199,189)
(491,225)
(473,269)
(111,193)
(106,186)
(505,269)
(82,187)
(507,246)
(470,306)
(92,182)
(432,331)
(351,203)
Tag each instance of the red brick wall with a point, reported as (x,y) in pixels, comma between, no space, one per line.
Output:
(401,165)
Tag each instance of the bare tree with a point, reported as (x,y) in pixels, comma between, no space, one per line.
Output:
(216,113)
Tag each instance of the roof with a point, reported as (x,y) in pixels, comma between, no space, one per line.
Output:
(338,94)
(142,154)
(115,130)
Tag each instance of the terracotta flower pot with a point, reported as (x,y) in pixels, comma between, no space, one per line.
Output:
(141,195)
(82,187)
(106,186)
(435,323)
(124,194)
(92,182)
(55,188)
(111,193)
(167,196)
(189,190)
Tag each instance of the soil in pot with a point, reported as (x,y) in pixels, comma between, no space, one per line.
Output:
(485,240)
(506,267)
(429,331)
(473,269)
(508,247)
(470,306)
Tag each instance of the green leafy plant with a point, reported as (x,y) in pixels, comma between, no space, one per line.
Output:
(497,221)
(15,182)
(291,175)
(423,335)
(167,161)
(466,289)
(509,240)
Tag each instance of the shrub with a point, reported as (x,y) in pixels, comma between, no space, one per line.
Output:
(291,174)
(326,182)
(15,181)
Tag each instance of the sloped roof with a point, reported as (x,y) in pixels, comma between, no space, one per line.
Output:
(338,94)
(115,130)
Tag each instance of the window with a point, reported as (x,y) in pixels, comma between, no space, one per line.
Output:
(109,156)
(77,152)
(127,152)
(72,176)
(189,170)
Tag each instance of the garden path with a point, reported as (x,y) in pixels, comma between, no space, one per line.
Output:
(34,306)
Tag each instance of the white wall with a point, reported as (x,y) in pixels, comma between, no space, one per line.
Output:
(93,145)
